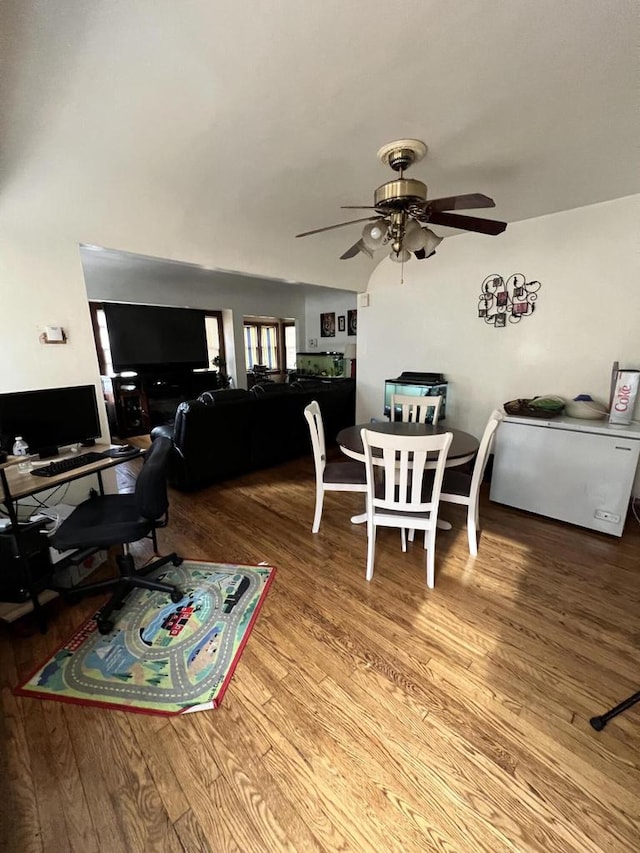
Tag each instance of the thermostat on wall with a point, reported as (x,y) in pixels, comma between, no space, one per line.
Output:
(53,335)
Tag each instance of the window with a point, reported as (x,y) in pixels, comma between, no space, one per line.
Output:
(215,338)
(271,342)
(290,345)
(101,337)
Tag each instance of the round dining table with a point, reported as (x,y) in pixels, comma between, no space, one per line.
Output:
(463,448)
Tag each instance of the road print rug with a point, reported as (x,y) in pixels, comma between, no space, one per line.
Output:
(161,658)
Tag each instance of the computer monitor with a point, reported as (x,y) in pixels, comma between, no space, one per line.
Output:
(49,418)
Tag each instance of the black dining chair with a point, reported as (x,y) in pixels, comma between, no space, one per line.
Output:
(121,519)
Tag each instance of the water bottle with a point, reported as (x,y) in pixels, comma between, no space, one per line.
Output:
(21,448)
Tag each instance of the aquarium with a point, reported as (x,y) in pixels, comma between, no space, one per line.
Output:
(320,364)
(416,384)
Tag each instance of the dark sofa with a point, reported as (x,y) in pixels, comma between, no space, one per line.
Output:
(223,434)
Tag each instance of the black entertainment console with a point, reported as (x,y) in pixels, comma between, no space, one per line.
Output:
(135,404)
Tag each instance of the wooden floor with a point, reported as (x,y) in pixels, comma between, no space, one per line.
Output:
(363,717)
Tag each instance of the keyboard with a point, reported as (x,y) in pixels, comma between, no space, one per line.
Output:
(61,466)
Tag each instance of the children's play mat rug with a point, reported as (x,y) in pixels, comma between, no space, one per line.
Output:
(161,658)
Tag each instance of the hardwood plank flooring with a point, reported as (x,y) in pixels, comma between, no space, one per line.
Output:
(362,717)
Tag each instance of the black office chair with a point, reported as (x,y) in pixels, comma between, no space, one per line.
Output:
(106,520)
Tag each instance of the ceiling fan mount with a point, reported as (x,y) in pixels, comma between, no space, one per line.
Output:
(401,211)
(402,153)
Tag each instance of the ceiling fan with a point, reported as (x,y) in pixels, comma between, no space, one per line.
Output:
(402,211)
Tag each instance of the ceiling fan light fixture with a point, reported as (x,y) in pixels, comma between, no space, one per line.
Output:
(374,234)
(413,236)
(417,238)
(431,241)
(400,257)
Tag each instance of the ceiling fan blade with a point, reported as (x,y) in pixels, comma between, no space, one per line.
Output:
(339,225)
(421,254)
(352,251)
(357,207)
(467,223)
(461,202)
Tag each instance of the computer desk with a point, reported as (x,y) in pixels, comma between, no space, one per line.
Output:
(16,484)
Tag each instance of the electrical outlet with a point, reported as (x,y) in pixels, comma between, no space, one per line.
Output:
(603,515)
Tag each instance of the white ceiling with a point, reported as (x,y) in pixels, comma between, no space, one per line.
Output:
(213,132)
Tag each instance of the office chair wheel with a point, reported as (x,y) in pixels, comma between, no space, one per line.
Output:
(105,626)
(176,596)
(177,561)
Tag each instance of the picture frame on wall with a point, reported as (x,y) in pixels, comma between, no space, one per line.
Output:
(328,325)
(352,321)
(341,323)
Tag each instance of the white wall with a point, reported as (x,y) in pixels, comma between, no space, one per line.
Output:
(41,283)
(587,314)
(327,301)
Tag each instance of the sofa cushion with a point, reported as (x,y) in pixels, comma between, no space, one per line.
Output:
(212,442)
(222,396)
(270,389)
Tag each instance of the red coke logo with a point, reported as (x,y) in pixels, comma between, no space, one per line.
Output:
(624,397)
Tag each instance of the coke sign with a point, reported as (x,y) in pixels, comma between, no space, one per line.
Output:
(624,397)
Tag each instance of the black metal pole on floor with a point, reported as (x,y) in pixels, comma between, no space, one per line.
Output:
(599,723)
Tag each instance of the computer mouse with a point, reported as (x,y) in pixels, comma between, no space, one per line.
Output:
(125,448)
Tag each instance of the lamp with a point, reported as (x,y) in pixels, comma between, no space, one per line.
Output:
(413,236)
(374,234)
(350,353)
(403,234)
(431,241)
(400,257)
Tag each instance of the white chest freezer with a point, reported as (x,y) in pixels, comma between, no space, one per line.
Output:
(575,470)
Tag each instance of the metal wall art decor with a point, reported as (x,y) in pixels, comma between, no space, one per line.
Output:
(514,299)
(328,325)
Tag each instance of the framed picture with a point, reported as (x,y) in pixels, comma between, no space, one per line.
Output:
(341,321)
(328,325)
(352,321)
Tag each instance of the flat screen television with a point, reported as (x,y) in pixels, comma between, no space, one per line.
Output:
(144,337)
(49,418)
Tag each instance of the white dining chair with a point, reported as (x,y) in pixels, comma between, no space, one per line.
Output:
(461,488)
(416,409)
(343,476)
(401,491)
